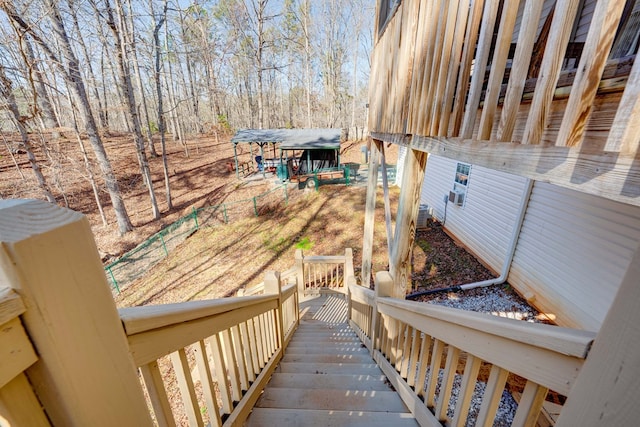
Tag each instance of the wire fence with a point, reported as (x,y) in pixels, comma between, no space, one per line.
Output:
(139,260)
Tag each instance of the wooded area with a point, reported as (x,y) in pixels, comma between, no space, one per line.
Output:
(77,70)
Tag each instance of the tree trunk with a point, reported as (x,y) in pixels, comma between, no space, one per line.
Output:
(71,73)
(7,94)
(118,29)
(157,53)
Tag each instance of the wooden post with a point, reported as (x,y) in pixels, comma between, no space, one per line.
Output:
(85,375)
(405,233)
(383,288)
(348,264)
(369,215)
(273,285)
(607,387)
(300,271)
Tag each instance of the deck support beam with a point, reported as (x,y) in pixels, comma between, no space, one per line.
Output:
(400,258)
(369,214)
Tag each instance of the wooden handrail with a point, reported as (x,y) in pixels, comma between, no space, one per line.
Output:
(410,342)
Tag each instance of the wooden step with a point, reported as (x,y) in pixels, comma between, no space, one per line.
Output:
(326,348)
(338,400)
(311,418)
(330,368)
(332,381)
(327,358)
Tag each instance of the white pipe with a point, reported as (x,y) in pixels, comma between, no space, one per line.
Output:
(515,235)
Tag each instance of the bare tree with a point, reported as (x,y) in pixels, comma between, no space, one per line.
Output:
(67,65)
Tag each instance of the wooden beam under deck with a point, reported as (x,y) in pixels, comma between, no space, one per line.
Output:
(612,175)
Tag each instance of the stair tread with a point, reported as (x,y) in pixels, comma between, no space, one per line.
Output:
(330,368)
(329,381)
(341,400)
(308,417)
(337,357)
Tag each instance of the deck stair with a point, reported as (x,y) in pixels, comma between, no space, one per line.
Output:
(327,377)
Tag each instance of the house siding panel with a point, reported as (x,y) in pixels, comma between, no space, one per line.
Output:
(573,252)
(485,222)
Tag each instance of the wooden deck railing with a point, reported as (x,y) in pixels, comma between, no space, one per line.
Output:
(229,346)
(323,272)
(411,341)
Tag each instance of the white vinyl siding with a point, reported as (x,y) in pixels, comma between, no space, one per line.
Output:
(485,222)
(402,154)
(573,252)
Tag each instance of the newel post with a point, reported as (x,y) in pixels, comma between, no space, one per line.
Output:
(349,277)
(383,288)
(273,285)
(300,270)
(85,375)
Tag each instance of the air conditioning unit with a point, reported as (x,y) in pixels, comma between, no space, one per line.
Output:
(456,198)
(424,214)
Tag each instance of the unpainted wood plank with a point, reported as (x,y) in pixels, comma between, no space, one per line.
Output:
(157,395)
(248,353)
(470,39)
(624,135)
(16,351)
(423,364)
(369,214)
(327,358)
(498,65)
(316,418)
(602,31)
(431,60)
(11,305)
(530,405)
(415,164)
(492,395)
(560,31)
(19,405)
(454,64)
(616,177)
(187,389)
(467,387)
(418,78)
(444,44)
(206,381)
(519,70)
(479,67)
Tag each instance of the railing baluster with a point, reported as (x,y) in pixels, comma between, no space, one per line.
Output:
(157,394)
(447,383)
(434,371)
(187,389)
(530,405)
(412,369)
(492,396)
(406,352)
(467,388)
(221,372)
(248,353)
(239,357)
(207,383)
(230,358)
(425,352)
(402,328)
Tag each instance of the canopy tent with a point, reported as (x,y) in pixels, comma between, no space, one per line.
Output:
(289,139)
